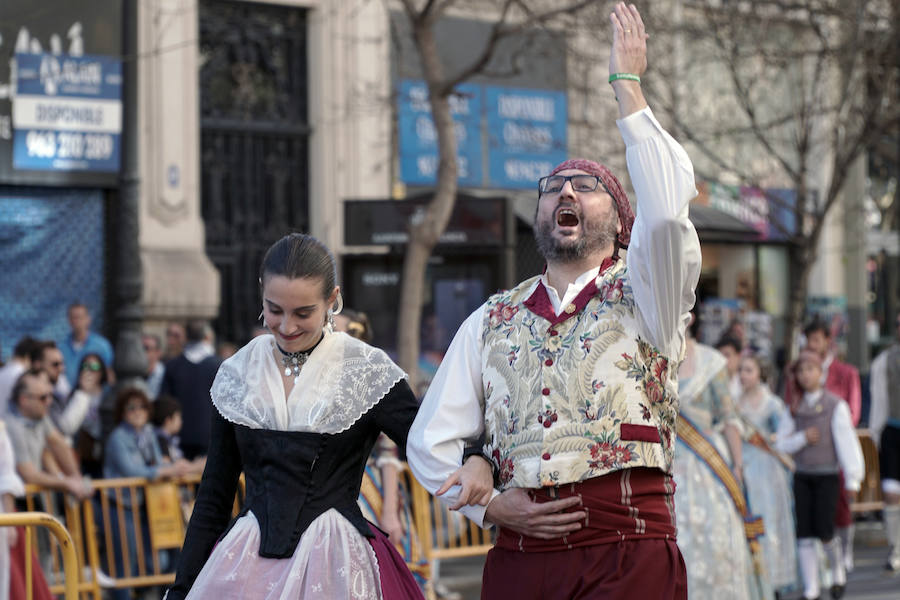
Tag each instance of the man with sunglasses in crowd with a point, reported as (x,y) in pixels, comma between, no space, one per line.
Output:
(31,432)
(567,383)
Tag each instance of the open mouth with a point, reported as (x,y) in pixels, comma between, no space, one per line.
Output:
(566,217)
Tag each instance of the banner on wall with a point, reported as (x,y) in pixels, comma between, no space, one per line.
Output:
(60,92)
(418,137)
(67,113)
(506,137)
(770,211)
(526,133)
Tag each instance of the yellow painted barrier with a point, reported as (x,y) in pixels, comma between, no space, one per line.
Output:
(869,497)
(158,524)
(31,520)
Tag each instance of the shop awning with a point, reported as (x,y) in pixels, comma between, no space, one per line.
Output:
(713,225)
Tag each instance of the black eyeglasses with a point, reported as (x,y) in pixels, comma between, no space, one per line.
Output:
(553,184)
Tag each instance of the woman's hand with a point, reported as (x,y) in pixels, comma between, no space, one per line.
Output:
(476,481)
(391,524)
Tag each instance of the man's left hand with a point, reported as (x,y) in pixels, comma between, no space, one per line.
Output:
(476,482)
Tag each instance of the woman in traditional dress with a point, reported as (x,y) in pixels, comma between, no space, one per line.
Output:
(298,410)
(767,473)
(710,526)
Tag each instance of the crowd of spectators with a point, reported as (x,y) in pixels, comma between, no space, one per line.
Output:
(66,422)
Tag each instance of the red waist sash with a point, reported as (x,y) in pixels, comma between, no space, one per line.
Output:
(634,503)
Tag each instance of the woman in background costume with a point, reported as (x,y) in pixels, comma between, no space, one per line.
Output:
(710,505)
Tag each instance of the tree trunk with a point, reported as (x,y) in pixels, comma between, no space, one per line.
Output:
(804,254)
(425,228)
(802,266)
(409,317)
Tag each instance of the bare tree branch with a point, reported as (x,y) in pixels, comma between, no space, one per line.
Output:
(502,30)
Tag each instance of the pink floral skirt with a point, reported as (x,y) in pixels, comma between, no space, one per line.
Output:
(332,561)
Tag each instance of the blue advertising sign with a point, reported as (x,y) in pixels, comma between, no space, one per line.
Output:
(67,113)
(527,134)
(418,138)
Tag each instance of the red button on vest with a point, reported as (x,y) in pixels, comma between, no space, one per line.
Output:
(549,362)
(545,391)
(546,456)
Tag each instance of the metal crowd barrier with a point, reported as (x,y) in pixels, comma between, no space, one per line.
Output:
(165,511)
(159,523)
(31,520)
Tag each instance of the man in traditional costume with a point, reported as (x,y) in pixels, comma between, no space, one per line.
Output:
(571,376)
(884,421)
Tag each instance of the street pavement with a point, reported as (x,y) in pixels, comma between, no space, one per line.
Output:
(868,581)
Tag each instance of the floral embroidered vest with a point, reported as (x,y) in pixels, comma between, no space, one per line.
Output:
(578,395)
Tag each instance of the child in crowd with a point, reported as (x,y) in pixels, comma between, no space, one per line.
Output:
(167,423)
(819,434)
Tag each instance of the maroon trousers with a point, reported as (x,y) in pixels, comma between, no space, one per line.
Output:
(647,569)
(625,549)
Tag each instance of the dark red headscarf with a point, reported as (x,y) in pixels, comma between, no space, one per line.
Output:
(612,185)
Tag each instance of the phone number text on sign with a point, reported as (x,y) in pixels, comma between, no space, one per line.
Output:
(69,145)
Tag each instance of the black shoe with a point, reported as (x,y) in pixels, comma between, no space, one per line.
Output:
(837,591)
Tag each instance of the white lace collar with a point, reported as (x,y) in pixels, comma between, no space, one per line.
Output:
(342,379)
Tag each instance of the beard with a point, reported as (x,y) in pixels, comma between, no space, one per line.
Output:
(595,235)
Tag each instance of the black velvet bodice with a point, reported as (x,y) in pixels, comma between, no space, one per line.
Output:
(291,479)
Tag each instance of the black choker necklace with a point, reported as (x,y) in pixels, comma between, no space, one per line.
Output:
(293,361)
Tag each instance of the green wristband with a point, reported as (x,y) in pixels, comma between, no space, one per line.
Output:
(628,76)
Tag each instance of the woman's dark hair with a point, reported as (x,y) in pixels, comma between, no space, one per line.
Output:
(359,326)
(86,358)
(298,256)
(164,407)
(126,394)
